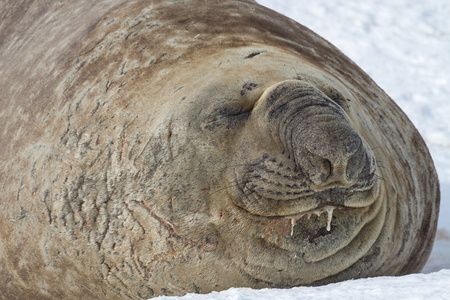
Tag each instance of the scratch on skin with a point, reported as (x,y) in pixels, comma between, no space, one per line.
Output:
(162,257)
(161,218)
(136,261)
(3,186)
(140,53)
(199,208)
(18,191)
(124,140)
(109,83)
(181,251)
(190,242)
(23,214)
(169,134)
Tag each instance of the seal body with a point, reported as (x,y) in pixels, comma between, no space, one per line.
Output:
(165,147)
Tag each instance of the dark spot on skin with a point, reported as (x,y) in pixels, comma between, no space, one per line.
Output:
(292,186)
(184,20)
(248,87)
(253,54)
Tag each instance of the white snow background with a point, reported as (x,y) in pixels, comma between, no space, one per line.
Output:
(404,45)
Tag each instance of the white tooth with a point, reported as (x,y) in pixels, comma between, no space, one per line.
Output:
(318,212)
(329,210)
(292,226)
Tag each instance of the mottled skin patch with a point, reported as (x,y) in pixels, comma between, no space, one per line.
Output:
(145,140)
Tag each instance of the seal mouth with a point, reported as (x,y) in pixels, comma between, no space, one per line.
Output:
(328,210)
(318,212)
(297,209)
(261,198)
(355,202)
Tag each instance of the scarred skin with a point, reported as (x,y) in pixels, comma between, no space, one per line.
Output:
(165,147)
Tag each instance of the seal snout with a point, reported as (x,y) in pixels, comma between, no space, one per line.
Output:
(317,132)
(330,152)
(316,158)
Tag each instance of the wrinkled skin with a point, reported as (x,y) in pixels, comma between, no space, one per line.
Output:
(166,147)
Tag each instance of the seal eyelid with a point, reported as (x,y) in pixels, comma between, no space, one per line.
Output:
(229,110)
(231,113)
(227,117)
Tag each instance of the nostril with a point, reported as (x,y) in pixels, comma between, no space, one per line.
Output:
(320,169)
(337,174)
(327,167)
(324,171)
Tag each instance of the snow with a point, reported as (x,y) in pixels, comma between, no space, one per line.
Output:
(404,46)
(406,287)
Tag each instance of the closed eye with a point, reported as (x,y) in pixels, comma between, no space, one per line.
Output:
(228,118)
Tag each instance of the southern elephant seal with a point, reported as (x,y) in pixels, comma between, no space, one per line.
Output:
(165,147)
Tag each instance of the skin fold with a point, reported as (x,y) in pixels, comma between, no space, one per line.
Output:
(145,140)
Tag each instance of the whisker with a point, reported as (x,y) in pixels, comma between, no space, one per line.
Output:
(379,177)
(230,185)
(241,165)
(380,164)
(372,195)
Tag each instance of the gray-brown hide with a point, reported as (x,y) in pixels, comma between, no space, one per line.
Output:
(166,147)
